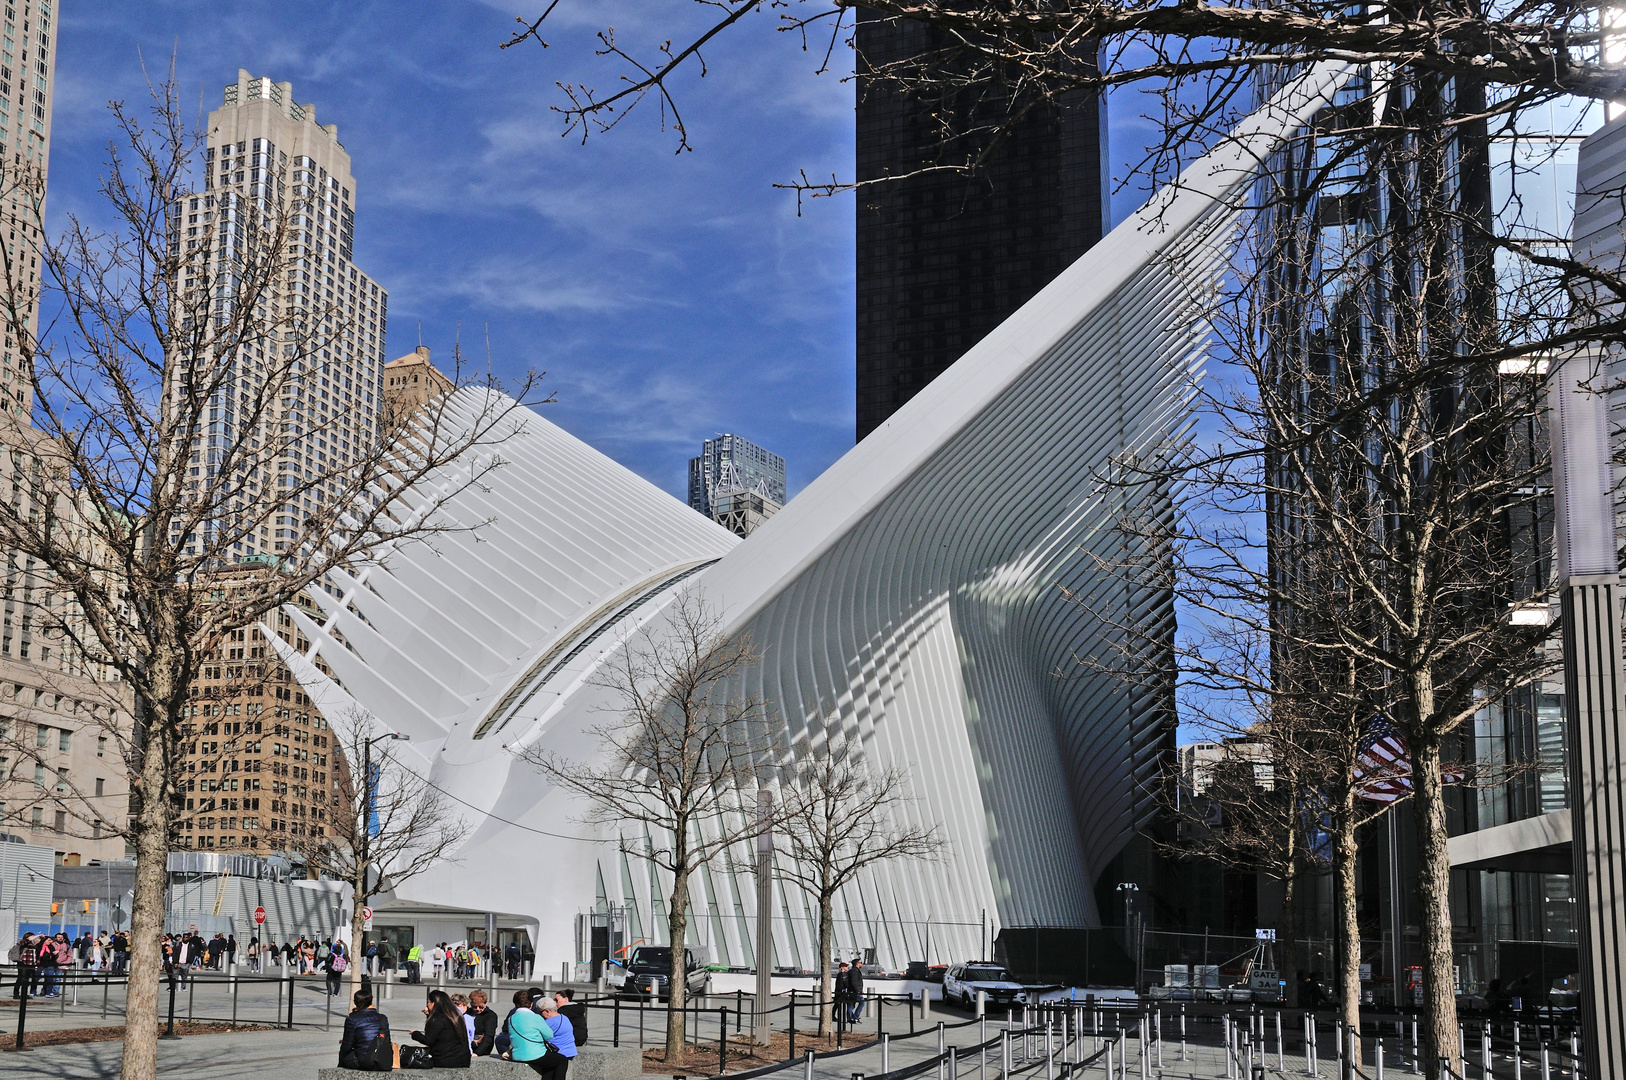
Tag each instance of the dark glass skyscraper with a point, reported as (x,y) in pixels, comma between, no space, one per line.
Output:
(943,258)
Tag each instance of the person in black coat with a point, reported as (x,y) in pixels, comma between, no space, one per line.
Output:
(445,1033)
(485,1024)
(361,1027)
(855,992)
(576,1014)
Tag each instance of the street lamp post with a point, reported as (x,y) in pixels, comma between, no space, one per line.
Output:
(367,806)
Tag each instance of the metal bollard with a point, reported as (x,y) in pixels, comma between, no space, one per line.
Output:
(1143,1030)
(982,1003)
(886,1051)
(953,1063)
(1005,1055)
(1546,1064)
(982,1049)
(925,1003)
(1518,1054)
(1049,1050)
(1377,1050)
(1182,1033)
(547,985)
(107,982)
(1281,1053)
(940,1049)
(807,1066)
(389,984)
(1160,1038)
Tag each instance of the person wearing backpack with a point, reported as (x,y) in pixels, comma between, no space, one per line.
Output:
(335,963)
(366,1041)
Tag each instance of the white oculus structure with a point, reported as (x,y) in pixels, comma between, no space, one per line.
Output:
(908,604)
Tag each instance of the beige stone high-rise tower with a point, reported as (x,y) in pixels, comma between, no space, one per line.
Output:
(267,156)
(27,78)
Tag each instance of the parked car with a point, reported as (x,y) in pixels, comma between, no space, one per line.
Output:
(962,981)
(649,970)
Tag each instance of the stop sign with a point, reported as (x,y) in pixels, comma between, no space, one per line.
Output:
(259,915)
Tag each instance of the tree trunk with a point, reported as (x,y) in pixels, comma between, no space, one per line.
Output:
(827,934)
(1287,937)
(1349,928)
(677,932)
(1439,1019)
(140,1058)
(359,901)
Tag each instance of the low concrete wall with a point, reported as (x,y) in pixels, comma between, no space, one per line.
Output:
(591,1063)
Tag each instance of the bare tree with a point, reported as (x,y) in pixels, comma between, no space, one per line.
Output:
(842,816)
(389,824)
(678,762)
(171,401)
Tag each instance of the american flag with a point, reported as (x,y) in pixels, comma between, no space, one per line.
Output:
(1383,764)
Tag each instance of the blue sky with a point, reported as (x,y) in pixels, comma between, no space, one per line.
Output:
(667,296)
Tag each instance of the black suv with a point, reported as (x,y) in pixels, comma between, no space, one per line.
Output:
(650,967)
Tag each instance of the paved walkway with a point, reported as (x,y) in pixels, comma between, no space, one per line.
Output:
(268,1055)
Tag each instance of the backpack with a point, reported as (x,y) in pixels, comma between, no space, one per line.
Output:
(338,961)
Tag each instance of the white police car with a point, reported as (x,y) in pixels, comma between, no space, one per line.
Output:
(962,981)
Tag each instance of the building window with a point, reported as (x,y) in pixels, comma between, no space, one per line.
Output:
(38,821)
(62,780)
(42,737)
(101,785)
(64,741)
(101,745)
(60,824)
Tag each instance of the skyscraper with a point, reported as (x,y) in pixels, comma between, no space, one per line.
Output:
(267,158)
(944,258)
(736,482)
(260,763)
(27,78)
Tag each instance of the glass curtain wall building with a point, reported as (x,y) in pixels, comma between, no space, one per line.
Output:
(1518,176)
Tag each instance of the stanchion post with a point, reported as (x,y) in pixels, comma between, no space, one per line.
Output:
(722,1040)
(170,1033)
(22,1012)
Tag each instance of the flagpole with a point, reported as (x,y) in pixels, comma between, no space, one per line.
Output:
(1395,922)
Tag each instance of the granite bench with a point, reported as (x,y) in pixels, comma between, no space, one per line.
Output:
(591,1063)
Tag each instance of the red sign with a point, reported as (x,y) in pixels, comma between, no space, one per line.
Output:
(259,915)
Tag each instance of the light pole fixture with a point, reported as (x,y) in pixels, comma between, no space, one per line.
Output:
(367,797)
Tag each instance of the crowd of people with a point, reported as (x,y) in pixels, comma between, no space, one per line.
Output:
(460,961)
(41,959)
(542,1030)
